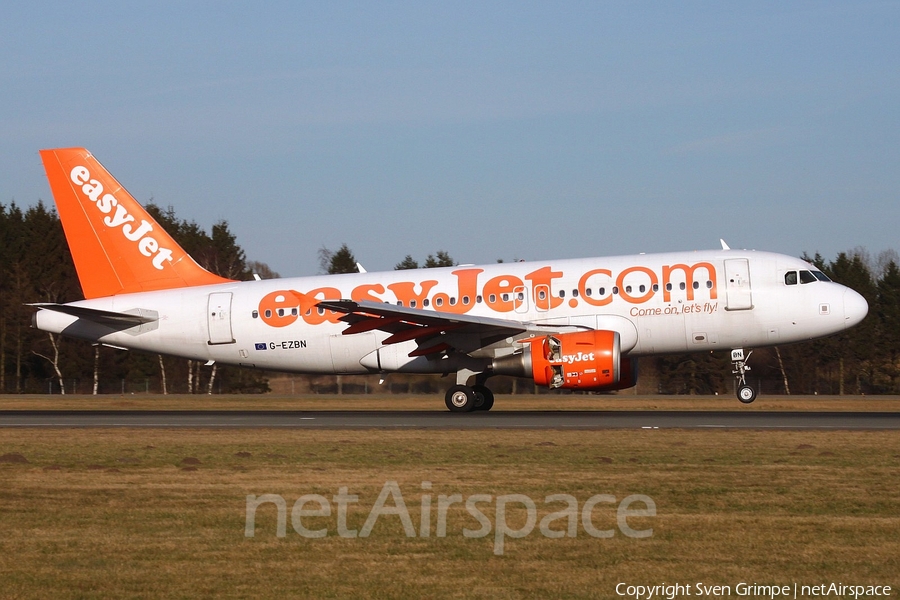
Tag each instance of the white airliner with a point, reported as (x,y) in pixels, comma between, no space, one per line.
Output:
(570,324)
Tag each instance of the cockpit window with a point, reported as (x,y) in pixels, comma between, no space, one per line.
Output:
(794,277)
(807,277)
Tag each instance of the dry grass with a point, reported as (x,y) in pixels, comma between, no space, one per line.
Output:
(624,401)
(119,513)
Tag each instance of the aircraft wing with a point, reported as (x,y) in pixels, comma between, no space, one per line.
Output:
(433,331)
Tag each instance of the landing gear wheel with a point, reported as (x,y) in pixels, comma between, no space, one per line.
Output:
(746,394)
(485,397)
(461,398)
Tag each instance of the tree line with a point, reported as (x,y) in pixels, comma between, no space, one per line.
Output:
(36,266)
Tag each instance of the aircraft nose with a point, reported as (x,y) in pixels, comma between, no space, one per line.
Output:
(855,308)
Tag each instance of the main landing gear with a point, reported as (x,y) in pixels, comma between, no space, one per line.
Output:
(463,398)
(746,393)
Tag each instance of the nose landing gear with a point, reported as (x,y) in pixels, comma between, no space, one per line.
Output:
(746,393)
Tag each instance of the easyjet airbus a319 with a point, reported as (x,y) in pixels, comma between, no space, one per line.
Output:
(569,324)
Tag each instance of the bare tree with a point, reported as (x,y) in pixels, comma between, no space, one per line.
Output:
(262,269)
(96,368)
(190,381)
(212,378)
(883,262)
(787,388)
(55,362)
(162,375)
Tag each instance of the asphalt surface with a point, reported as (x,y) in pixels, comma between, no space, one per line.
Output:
(447,420)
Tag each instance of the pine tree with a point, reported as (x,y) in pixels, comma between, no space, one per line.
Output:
(887,317)
(407,263)
(857,348)
(226,258)
(342,261)
(442,259)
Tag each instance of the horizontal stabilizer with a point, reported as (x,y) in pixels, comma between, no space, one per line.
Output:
(116,320)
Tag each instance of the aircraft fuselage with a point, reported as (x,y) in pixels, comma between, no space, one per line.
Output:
(658,303)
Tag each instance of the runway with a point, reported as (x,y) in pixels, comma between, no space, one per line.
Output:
(446,420)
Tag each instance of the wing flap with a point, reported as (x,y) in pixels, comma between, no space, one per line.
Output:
(433,331)
(416,316)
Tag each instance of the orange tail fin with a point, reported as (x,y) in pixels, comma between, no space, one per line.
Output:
(117,247)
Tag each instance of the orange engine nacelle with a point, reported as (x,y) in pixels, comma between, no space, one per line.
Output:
(585,360)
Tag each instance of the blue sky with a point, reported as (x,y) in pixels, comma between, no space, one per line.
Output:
(486,129)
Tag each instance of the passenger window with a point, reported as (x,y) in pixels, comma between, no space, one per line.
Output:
(268,313)
(562,293)
(255,314)
(492,298)
(574,293)
(615,289)
(439,302)
(466,300)
(294,312)
(668,287)
(655,287)
(696,285)
(627,289)
(708,284)
(280,312)
(807,277)
(425,302)
(452,301)
(642,288)
(412,303)
(602,291)
(681,286)
(587,291)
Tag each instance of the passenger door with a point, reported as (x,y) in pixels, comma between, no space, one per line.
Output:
(737,284)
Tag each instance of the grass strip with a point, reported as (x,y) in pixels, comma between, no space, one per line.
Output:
(138,513)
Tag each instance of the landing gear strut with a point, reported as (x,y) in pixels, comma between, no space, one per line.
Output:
(746,393)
